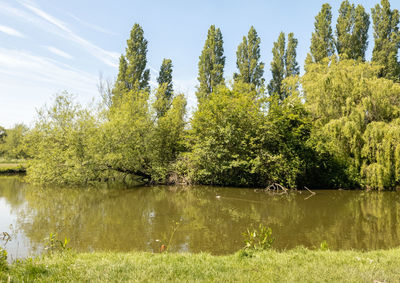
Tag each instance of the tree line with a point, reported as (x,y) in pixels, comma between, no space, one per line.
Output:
(336,126)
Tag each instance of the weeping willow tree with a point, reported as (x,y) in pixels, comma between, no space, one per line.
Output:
(381,150)
(356,119)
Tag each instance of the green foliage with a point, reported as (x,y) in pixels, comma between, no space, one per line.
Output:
(352,31)
(283,64)
(168,139)
(322,42)
(211,64)
(353,112)
(277,66)
(61,144)
(132,66)
(324,246)
(258,239)
(234,141)
(3,260)
(381,155)
(223,137)
(165,89)
(12,142)
(387,40)
(2,134)
(53,244)
(292,67)
(251,69)
(123,146)
(337,126)
(72,145)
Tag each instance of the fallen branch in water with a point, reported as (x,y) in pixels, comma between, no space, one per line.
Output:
(310,190)
(276,187)
(312,193)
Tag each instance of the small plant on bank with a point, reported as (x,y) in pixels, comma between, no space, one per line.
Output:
(258,239)
(53,244)
(324,246)
(165,248)
(3,259)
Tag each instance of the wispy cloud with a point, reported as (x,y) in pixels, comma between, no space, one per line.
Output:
(27,81)
(47,22)
(23,66)
(10,31)
(91,26)
(58,52)
(106,56)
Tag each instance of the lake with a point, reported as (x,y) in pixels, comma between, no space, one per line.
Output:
(192,219)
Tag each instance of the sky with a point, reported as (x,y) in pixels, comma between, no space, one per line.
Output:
(51,46)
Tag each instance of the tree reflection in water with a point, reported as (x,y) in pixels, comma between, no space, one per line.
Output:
(144,218)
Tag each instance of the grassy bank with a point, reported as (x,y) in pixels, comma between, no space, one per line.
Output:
(12,167)
(298,265)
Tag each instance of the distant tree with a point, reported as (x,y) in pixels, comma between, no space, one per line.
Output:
(387,39)
(283,64)
(352,31)
(2,133)
(211,63)
(105,88)
(251,69)
(322,42)
(13,143)
(132,66)
(165,89)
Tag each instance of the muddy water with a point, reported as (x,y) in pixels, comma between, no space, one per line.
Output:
(192,219)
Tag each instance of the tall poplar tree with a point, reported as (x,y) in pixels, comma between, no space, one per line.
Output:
(322,42)
(278,66)
(132,66)
(283,64)
(165,89)
(352,31)
(251,69)
(387,39)
(165,77)
(292,67)
(211,64)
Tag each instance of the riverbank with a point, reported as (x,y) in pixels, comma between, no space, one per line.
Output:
(298,265)
(12,168)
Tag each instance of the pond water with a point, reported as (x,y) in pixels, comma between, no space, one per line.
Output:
(205,219)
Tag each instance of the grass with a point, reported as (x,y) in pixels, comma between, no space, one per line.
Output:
(298,265)
(12,166)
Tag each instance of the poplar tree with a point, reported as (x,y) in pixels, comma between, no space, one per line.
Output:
(352,31)
(165,88)
(132,66)
(251,69)
(387,39)
(211,64)
(322,42)
(283,64)
(278,66)
(292,67)
(165,77)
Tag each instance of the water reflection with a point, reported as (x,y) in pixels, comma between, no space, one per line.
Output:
(144,218)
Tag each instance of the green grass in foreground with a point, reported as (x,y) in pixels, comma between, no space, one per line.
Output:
(298,265)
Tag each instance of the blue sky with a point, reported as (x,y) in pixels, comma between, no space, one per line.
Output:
(47,46)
